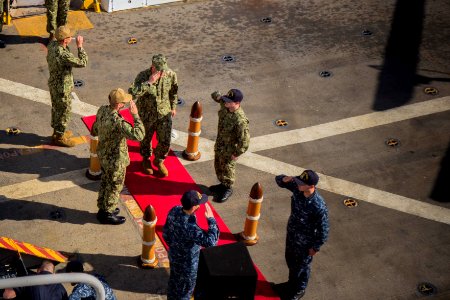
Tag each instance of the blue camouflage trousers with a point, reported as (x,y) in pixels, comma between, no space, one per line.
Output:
(113,177)
(163,128)
(225,169)
(61,108)
(298,261)
(182,281)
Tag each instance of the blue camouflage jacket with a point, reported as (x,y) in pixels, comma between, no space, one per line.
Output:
(308,223)
(84,291)
(185,238)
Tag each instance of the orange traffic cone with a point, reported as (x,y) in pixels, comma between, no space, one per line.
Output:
(249,236)
(148,258)
(191,152)
(94,172)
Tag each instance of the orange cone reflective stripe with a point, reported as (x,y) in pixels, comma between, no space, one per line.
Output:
(94,172)
(148,257)
(249,235)
(191,152)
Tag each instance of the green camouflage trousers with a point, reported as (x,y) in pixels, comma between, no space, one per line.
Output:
(163,128)
(56,14)
(2,4)
(61,108)
(113,177)
(225,169)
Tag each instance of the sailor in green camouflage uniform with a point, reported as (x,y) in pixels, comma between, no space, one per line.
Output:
(3,3)
(56,15)
(60,63)
(233,139)
(156,90)
(113,131)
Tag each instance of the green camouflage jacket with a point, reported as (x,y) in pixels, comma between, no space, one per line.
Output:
(156,99)
(113,131)
(60,63)
(233,137)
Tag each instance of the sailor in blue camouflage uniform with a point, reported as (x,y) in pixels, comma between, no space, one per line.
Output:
(307,228)
(83,291)
(185,239)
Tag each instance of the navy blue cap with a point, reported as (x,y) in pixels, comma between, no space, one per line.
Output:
(233,95)
(192,198)
(308,177)
(74,266)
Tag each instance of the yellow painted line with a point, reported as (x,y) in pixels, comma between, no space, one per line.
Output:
(37,25)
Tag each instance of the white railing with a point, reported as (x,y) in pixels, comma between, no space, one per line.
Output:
(55,278)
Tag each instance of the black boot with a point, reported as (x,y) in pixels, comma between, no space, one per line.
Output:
(105,217)
(223,194)
(2,44)
(216,188)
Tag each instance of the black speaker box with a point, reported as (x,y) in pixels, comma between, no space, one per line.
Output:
(225,272)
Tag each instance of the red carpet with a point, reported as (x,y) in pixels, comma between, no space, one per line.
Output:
(165,193)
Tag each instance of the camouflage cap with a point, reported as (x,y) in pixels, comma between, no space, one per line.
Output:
(119,96)
(159,61)
(63,32)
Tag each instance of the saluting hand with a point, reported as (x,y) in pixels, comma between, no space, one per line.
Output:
(287,179)
(208,211)
(80,41)
(155,75)
(312,252)
(133,108)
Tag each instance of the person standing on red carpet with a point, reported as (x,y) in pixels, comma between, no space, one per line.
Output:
(156,89)
(185,239)
(113,131)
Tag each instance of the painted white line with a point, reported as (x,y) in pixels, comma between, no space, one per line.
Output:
(352,124)
(255,161)
(42,96)
(352,190)
(205,146)
(44,185)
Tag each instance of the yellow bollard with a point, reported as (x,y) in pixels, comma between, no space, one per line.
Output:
(94,172)
(148,258)
(6,18)
(95,4)
(249,235)
(191,152)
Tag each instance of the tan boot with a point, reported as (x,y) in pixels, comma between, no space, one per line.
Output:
(62,140)
(68,134)
(162,168)
(147,166)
